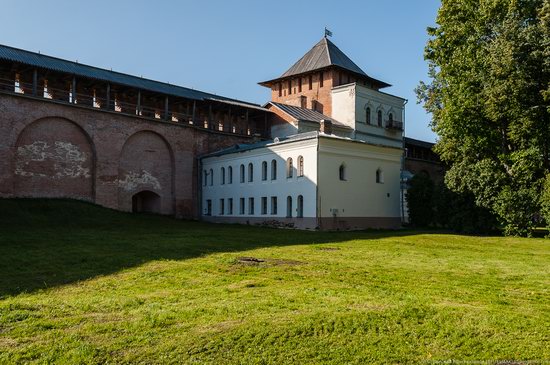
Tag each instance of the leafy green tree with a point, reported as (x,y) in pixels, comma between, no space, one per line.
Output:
(420,200)
(489,97)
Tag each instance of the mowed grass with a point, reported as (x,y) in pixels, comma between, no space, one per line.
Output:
(83,284)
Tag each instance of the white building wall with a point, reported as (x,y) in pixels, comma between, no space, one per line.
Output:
(350,103)
(358,201)
(281,187)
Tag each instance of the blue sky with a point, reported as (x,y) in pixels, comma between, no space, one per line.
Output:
(227,47)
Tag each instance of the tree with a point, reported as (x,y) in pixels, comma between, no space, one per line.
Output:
(489,97)
(420,200)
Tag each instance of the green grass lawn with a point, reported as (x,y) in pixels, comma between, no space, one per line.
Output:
(82,284)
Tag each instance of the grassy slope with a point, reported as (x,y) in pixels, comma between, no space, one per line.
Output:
(80,283)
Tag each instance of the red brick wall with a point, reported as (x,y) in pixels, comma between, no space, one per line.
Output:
(56,150)
(321,94)
(54,158)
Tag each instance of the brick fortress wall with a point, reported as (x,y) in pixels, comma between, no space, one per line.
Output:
(58,150)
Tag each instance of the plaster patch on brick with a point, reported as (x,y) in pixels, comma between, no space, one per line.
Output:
(133,179)
(68,160)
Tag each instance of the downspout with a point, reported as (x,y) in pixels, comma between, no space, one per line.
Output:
(199,182)
(401,185)
(317,197)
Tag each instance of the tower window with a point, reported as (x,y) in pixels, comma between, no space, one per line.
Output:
(251,206)
(289,87)
(264,205)
(300,166)
(208,207)
(273,170)
(289,207)
(379,176)
(342,172)
(321,79)
(230,206)
(241,206)
(273,205)
(368,116)
(289,168)
(300,85)
(310,80)
(250,172)
(280,89)
(264,171)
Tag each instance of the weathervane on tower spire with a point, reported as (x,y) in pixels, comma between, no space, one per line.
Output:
(328,33)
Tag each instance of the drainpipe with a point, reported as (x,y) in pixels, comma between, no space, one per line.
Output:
(317,197)
(199,187)
(401,187)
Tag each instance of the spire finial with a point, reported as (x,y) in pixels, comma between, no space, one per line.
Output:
(328,33)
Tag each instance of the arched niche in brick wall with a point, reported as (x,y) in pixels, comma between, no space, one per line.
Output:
(146,163)
(54,158)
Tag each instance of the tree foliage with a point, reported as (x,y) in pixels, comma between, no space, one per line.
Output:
(435,205)
(489,96)
(420,200)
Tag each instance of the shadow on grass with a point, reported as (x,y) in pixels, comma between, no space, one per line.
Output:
(46,243)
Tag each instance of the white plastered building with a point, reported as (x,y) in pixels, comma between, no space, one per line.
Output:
(334,163)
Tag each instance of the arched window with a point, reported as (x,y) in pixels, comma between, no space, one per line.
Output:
(230,175)
(300,166)
(211,177)
(300,209)
(289,207)
(390,117)
(379,176)
(273,170)
(264,171)
(380,118)
(222,173)
(289,168)
(342,172)
(242,173)
(205,178)
(250,172)
(368,116)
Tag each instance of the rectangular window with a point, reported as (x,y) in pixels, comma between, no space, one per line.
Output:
(310,82)
(273,205)
(208,207)
(222,206)
(280,89)
(264,205)
(241,206)
(289,87)
(321,79)
(230,206)
(251,206)
(300,85)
